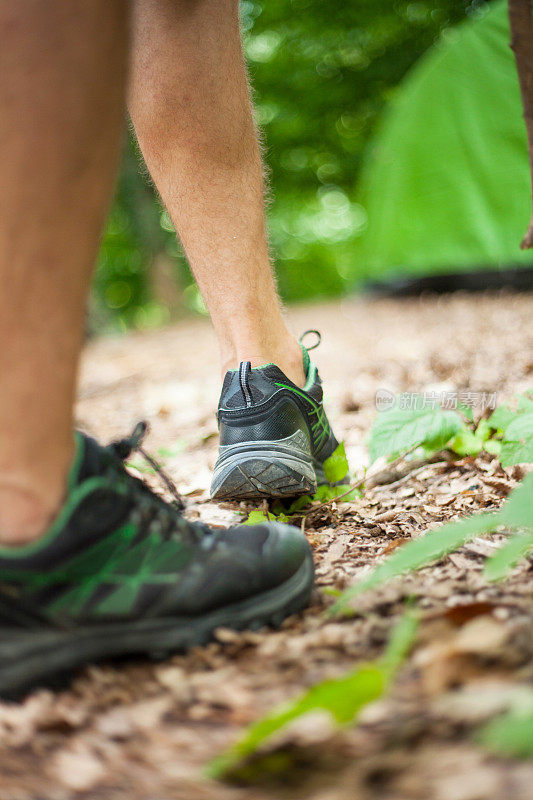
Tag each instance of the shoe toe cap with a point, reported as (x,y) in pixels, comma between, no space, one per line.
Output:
(284,552)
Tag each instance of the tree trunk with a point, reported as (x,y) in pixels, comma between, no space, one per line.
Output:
(521,20)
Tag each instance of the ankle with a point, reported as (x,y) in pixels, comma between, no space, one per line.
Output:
(32,486)
(285,354)
(25,515)
(31,497)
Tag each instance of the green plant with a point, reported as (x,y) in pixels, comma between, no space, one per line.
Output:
(507,433)
(258,515)
(515,428)
(335,469)
(499,564)
(336,465)
(400,430)
(342,698)
(510,734)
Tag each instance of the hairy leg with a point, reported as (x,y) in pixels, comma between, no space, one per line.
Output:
(62,77)
(191,108)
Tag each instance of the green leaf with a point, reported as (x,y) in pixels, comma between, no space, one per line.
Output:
(342,697)
(525,402)
(520,428)
(172,452)
(400,643)
(493,446)
(501,418)
(255,517)
(347,494)
(510,735)
(324,493)
(336,465)
(517,511)
(516,453)
(483,430)
(300,503)
(398,430)
(258,515)
(466,411)
(509,554)
(466,443)
(517,445)
(330,591)
(515,425)
(141,466)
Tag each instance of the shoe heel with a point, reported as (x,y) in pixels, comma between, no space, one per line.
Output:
(251,471)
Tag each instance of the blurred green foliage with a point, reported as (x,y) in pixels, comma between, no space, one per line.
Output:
(322,72)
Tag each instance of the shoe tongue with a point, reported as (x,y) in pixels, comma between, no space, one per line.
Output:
(89,459)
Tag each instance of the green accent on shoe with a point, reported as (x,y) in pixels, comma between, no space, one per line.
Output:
(311,376)
(306,361)
(121,571)
(274,436)
(25,550)
(77,461)
(321,427)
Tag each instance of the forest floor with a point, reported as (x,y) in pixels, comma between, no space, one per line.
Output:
(144,731)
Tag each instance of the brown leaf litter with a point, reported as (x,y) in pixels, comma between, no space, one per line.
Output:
(144,731)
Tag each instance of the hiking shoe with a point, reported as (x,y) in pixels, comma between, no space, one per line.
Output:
(274,436)
(122,572)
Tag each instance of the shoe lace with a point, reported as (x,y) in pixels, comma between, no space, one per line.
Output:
(318,339)
(153,511)
(123,448)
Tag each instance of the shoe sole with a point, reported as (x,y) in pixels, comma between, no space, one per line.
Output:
(254,471)
(31,658)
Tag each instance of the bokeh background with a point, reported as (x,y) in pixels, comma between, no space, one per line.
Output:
(358,102)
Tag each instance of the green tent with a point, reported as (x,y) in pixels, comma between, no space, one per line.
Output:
(446,184)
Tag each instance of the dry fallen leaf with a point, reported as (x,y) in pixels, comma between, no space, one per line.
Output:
(77,767)
(133,731)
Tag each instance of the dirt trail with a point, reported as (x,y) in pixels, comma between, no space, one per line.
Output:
(144,731)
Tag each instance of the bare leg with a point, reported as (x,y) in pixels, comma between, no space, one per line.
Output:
(192,112)
(62,76)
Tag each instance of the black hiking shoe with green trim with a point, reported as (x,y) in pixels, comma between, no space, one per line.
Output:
(274,435)
(121,572)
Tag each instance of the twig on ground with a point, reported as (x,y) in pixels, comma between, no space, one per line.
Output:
(361,481)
